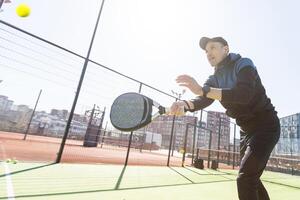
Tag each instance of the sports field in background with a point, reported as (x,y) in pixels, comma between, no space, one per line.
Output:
(44,149)
(114,182)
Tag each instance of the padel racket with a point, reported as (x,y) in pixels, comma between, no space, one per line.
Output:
(132,111)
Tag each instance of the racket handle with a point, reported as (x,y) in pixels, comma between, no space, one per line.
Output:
(162,110)
(167,111)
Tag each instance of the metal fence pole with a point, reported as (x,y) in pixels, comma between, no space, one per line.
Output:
(234,134)
(128,149)
(140,87)
(61,149)
(29,123)
(200,125)
(194,139)
(131,134)
(100,126)
(103,135)
(291,149)
(143,138)
(200,120)
(151,141)
(209,147)
(228,155)
(1,2)
(185,144)
(219,138)
(174,139)
(171,139)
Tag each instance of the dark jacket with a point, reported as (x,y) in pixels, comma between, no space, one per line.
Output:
(243,95)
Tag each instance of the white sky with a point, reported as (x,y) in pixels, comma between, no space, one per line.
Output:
(152,41)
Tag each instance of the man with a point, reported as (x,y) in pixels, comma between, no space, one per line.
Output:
(237,85)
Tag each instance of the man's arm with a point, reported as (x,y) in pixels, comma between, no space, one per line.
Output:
(215,93)
(243,91)
(198,103)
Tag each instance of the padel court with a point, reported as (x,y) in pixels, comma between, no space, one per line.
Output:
(109,182)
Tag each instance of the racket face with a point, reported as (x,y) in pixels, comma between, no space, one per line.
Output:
(130,111)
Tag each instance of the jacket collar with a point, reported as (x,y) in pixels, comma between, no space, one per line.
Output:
(227,61)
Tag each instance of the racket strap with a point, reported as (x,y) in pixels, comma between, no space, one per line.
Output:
(187,105)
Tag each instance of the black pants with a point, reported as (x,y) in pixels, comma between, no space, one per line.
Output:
(255,149)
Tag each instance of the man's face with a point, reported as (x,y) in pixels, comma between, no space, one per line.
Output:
(216,52)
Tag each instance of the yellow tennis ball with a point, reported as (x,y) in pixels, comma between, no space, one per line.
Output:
(23,10)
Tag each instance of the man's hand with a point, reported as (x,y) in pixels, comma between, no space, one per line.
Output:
(177,108)
(190,83)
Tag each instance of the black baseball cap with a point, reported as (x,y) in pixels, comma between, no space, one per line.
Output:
(204,40)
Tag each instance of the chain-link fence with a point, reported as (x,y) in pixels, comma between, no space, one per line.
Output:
(46,75)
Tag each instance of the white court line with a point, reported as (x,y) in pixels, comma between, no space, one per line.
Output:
(9,185)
